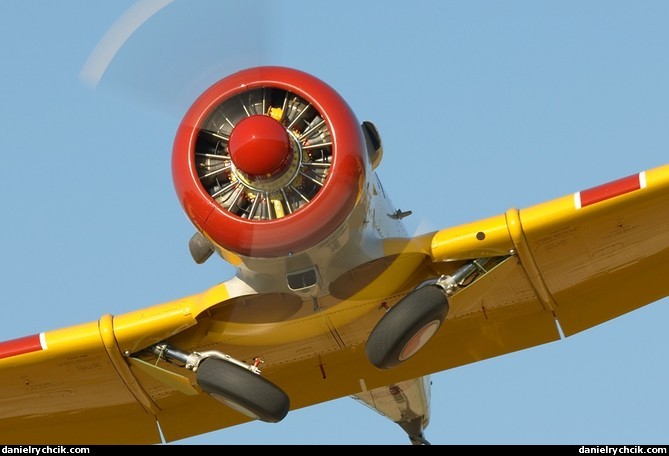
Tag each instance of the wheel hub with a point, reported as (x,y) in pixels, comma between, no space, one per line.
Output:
(418,340)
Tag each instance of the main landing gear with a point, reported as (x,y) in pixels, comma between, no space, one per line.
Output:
(236,384)
(407,327)
(412,322)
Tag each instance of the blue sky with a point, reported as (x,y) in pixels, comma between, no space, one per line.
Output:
(482,106)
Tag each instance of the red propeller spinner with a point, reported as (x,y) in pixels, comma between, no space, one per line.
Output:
(260,146)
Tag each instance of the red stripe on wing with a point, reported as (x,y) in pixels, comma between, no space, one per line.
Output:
(609,190)
(20,346)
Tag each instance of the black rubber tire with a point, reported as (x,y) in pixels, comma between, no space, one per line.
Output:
(415,312)
(243,390)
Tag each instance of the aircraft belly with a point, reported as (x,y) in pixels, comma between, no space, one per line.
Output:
(341,326)
(401,401)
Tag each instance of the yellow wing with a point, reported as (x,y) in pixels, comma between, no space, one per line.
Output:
(567,265)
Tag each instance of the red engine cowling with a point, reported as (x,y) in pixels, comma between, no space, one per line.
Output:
(269,161)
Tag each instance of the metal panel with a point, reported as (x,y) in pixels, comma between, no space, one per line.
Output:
(607,258)
(69,392)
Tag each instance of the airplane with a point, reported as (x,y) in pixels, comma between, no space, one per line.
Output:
(330,297)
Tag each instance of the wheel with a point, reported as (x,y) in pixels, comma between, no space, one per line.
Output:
(242,390)
(407,327)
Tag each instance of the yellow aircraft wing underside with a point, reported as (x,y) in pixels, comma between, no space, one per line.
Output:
(590,256)
(581,259)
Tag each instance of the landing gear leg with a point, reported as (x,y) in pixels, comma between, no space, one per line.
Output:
(236,384)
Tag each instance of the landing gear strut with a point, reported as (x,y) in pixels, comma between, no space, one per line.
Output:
(234,383)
